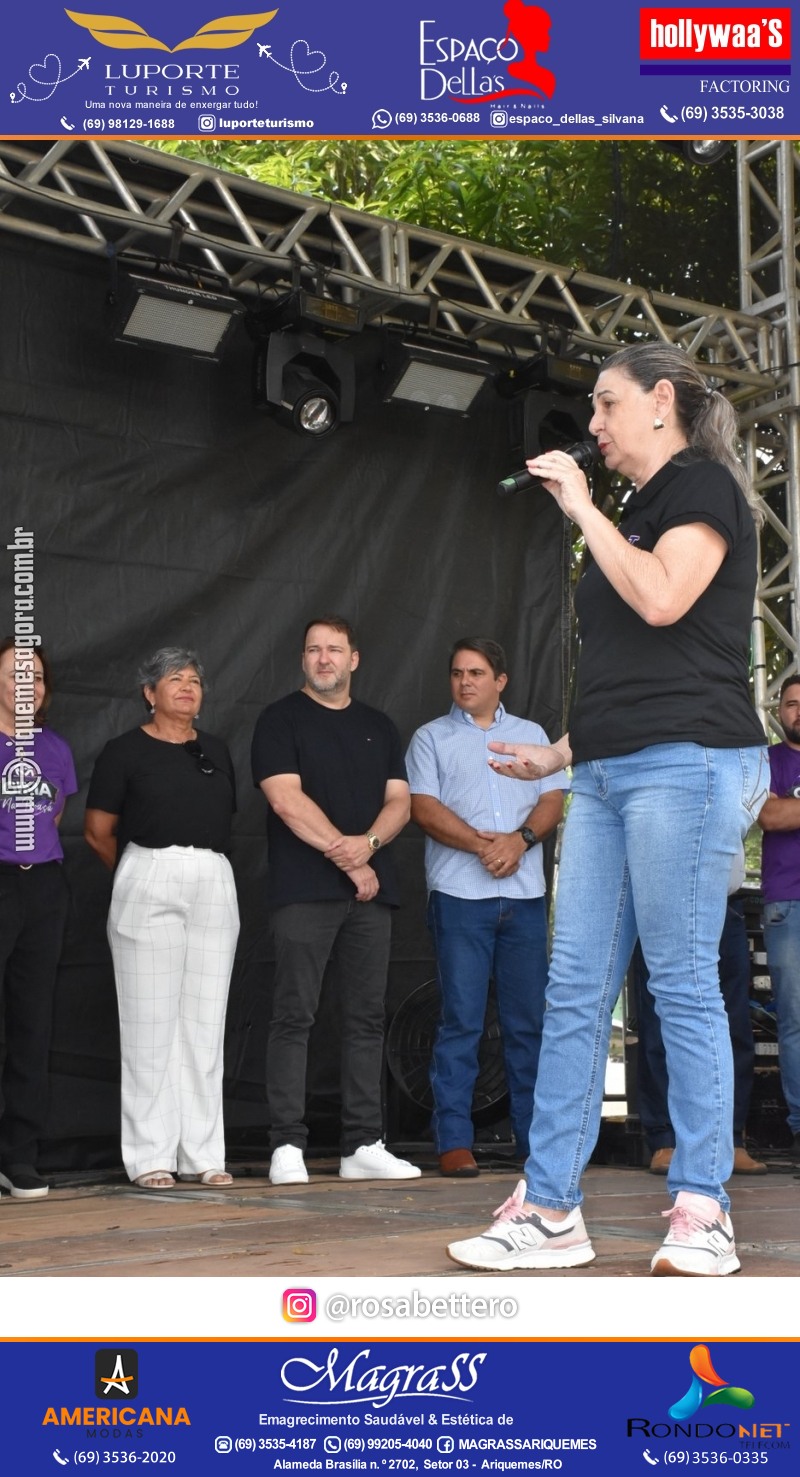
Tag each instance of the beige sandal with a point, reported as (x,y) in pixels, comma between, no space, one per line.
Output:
(155,1179)
(209,1177)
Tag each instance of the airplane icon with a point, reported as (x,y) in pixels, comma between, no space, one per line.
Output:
(263,50)
(83,62)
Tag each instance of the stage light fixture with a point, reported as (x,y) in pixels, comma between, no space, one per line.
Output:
(312,405)
(706,150)
(167,310)
(435,378)
(698,150)
(306,381)
(545,372)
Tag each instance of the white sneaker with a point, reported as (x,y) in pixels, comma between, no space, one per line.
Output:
(374,1162)
(695,1247)
(287,1166)
(520,1238)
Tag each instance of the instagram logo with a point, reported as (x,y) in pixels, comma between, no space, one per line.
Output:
(299,1305)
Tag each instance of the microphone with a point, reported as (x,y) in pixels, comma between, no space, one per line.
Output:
(585,453)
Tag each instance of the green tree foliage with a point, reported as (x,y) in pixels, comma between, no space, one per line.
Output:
(634,211)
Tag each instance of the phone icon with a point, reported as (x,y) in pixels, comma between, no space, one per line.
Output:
(663,111)
(62,1460)
(70,127)
(653,1460)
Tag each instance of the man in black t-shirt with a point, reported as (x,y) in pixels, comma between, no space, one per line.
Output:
(333,774)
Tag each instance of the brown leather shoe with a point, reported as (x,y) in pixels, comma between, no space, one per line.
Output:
(743,1163)
(660,1162)
(458,1164)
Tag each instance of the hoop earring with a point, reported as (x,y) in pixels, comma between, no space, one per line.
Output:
(658,424)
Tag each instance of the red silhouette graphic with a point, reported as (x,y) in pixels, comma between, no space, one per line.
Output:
(530,27)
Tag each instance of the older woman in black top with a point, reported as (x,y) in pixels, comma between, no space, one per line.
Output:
(159,810)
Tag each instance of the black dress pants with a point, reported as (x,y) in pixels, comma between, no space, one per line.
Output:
(355,938)
(33,912)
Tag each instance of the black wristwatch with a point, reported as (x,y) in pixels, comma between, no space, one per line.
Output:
(529,837)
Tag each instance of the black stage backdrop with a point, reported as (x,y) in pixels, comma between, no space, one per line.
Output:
(166,510)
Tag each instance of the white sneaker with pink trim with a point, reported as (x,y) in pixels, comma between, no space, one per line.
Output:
(523,1238)
(696,1247)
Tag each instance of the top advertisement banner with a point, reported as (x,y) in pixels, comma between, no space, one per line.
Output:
(430,68)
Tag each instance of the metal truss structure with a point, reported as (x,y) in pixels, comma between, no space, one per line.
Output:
(116,199)
(769,236)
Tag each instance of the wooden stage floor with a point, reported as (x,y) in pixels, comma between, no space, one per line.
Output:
(100,1226)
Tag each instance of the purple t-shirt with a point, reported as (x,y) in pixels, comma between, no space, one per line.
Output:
(28,831)
(780,852)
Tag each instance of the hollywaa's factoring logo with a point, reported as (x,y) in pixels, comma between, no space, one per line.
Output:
(720,34)
(126,35)
(527,36)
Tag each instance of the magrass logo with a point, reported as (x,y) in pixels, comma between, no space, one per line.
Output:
(704,1374)
(127,35)
(116,1374)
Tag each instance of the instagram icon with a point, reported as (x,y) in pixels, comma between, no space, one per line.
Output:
(299,1305)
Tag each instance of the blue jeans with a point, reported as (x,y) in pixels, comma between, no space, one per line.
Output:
(782,938)
(651,1059)
(475,940)
(649,845)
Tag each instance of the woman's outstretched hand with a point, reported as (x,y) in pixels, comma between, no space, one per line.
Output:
(527,761)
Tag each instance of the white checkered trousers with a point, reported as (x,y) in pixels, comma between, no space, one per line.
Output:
(172,928)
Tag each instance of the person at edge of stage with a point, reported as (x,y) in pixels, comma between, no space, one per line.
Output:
(669,773)
(486,894)
(159,811)
(36,776)
(652,1085)
(780,881)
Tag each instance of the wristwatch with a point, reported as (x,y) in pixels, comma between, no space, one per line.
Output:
(373,841)
(529,837)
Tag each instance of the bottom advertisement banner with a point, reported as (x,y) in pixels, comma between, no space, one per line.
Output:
(389,1407)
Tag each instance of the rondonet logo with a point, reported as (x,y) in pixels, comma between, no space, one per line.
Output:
(728,34)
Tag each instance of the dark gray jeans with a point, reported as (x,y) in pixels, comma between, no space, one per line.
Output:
(355,938)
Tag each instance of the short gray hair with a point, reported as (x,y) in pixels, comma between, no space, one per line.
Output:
(169,659)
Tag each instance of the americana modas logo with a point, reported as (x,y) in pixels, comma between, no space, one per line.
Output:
(116,1374)
(217,35)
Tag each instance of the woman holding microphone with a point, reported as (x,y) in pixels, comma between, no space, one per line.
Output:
(669,773)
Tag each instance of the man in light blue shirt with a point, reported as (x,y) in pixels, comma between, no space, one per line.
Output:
(486,905)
